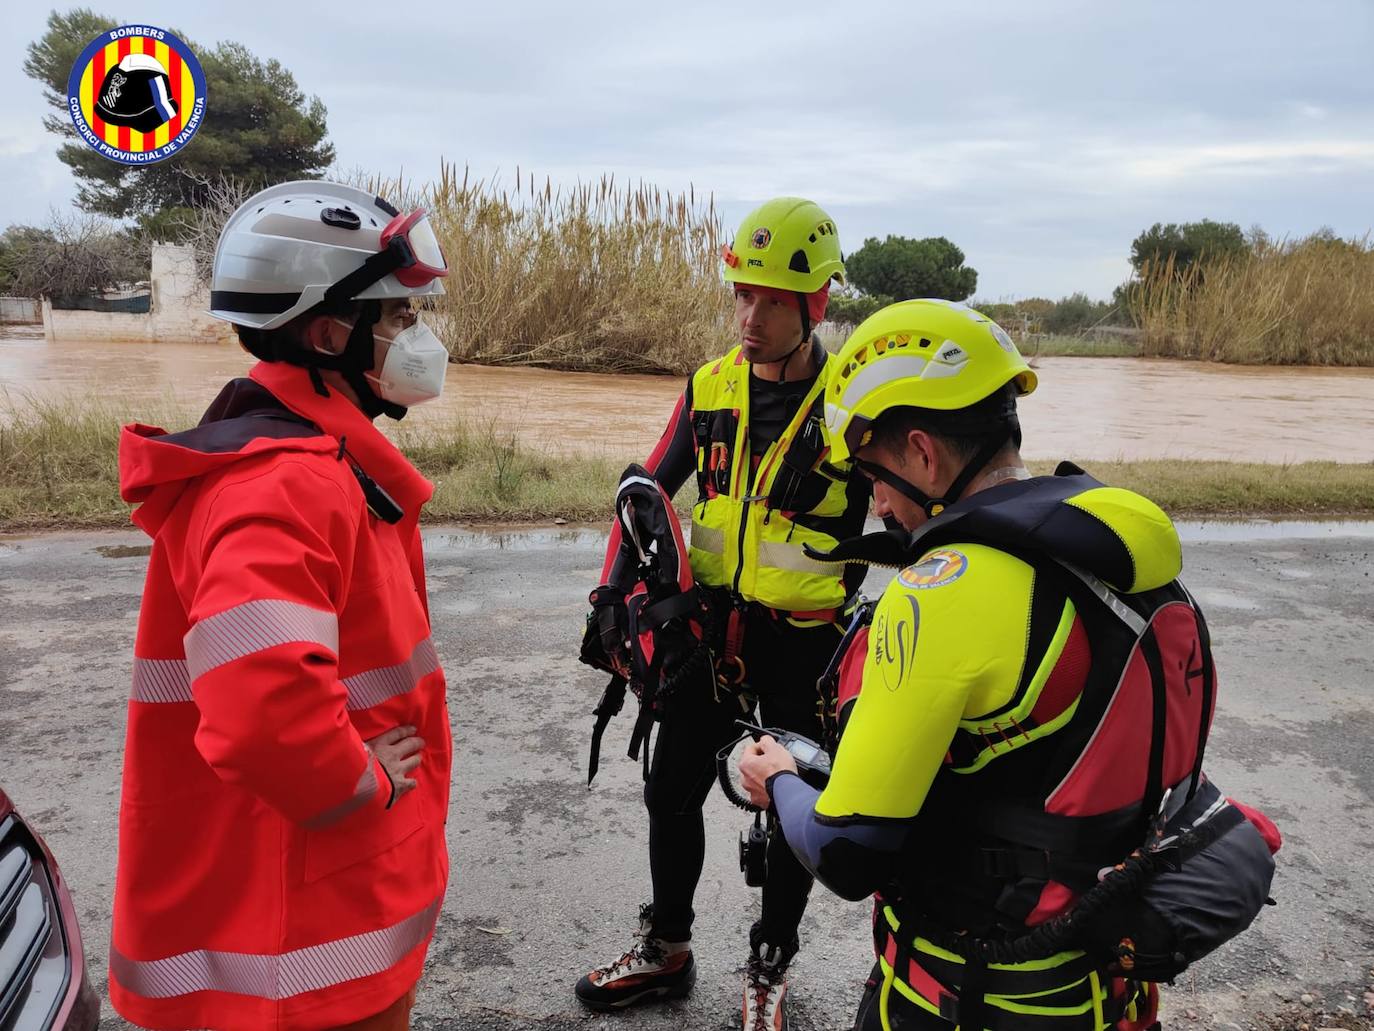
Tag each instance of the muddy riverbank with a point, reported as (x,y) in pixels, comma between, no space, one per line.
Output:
(1088,408)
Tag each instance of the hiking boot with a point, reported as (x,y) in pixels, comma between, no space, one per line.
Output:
(652,971)
(765,989)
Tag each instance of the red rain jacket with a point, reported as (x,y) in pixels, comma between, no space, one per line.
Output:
(262,882)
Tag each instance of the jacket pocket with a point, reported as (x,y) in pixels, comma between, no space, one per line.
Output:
(364,836)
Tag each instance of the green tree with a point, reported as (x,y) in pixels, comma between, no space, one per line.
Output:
(853,308)
(1075,313)
(260,127)
(902,268)
(1188,242)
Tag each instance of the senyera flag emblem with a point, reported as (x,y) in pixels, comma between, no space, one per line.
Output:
(136,94)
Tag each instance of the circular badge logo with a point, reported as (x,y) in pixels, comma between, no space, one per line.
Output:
(761,238)
(136,94)
(940,567)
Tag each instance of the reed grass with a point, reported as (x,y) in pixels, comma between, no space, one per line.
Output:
(1303,302)
(603,276)
(1079,347)
(58,461)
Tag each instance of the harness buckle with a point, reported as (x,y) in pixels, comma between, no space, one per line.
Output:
(727,676)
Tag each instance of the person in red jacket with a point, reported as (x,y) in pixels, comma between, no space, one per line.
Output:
(282,857)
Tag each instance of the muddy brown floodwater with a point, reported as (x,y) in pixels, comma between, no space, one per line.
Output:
(1099,408)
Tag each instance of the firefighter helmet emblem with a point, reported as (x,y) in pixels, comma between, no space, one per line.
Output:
(136,94)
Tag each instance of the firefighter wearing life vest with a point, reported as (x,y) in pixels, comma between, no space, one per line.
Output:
(282,857)
(750,429)
(1019,776)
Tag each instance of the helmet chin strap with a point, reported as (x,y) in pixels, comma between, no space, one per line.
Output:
(361,355)
(354,362)
(934,506)
(805,337)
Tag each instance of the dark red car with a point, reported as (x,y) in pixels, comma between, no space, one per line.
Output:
(43,982)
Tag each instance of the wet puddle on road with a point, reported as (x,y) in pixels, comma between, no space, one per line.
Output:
(124,551)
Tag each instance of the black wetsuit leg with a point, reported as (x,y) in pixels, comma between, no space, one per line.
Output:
(681,773)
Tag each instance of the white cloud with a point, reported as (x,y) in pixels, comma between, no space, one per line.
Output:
(1039,137)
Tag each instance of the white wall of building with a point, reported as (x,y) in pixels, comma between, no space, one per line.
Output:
(179,309)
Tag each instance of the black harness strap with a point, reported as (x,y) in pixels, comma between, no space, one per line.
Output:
(651,617)
(1154,776)
(1209,685)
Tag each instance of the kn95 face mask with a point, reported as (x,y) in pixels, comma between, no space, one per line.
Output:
(413,369)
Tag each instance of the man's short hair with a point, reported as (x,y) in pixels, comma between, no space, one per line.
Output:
(963,430)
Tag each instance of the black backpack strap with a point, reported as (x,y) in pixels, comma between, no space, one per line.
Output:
(1159,714)
(1209,686)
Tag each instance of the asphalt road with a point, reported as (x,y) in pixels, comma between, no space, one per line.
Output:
(548,875)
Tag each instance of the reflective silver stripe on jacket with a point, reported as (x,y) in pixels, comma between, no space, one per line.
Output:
(256,626)
(375,686)
(169,680)
(160,680)
(275,977)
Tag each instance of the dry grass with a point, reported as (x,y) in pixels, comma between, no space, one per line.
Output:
(601,277)
(1305,302)
(58,469)
(1194,488)
(1052,346)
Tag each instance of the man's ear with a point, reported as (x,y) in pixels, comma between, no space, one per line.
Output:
(923,452)
(318,335)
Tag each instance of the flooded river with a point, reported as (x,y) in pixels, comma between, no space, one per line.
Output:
(1093,408)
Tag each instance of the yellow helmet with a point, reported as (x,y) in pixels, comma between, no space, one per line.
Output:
(788,244)
(923,354)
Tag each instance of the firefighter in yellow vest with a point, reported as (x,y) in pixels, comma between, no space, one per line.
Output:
(750,428)
(1019,777)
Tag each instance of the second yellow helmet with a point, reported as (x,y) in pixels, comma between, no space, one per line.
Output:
(923,354)
(787,243)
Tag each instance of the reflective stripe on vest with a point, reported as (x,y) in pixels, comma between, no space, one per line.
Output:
(161,681)
(280,976)
(737,540)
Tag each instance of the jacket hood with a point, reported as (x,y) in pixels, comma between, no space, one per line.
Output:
(244,421)
(1119,536)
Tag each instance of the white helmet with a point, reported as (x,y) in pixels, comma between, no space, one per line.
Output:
(290,245)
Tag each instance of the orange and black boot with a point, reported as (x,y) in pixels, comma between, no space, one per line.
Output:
(653,970)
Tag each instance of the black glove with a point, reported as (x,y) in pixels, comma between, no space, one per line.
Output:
(608,630)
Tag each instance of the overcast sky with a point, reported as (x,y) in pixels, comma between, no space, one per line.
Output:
(1040,137)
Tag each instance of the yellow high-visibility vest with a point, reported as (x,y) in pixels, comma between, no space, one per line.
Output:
(748,527)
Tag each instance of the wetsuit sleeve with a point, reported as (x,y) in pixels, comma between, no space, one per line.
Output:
(947,643)
(671,463)
(265,588)
(854,860)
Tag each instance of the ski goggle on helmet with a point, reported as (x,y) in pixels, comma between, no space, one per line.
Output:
(408,250)
(412,238)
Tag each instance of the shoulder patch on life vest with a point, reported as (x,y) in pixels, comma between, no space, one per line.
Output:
(936,569)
